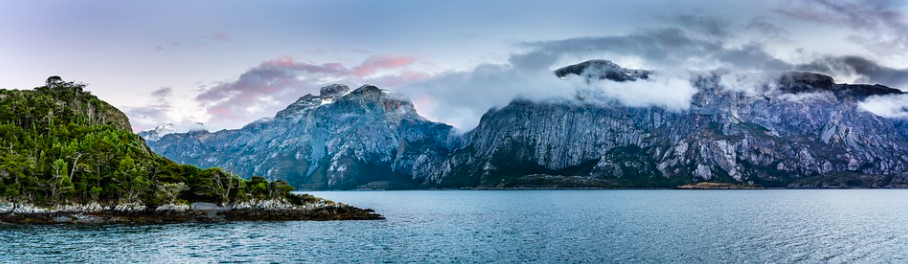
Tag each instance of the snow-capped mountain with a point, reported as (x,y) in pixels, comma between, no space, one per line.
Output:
(158,132)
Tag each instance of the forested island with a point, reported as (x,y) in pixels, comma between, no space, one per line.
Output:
(68,157)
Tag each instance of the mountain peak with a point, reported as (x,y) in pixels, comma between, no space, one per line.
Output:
(334,90)
(796,82)
(330,94)
(367,88)
(806,82)
(158,132)
(602,70)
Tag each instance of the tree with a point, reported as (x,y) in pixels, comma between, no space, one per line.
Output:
(53,81)
(60,181)
(260,187)
(11,191)
(130,179)
(137,186)
(95,193)
(223,183)
(281,188)
(168,192)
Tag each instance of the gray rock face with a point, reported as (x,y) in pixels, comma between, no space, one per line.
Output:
(602,70)
(802,125)
(367,138)
(801,129)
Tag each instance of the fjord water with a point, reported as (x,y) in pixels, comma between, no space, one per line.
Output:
(626,226)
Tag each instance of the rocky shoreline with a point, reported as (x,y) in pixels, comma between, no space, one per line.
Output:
(138,213)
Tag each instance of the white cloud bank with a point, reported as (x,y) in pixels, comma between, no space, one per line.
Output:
(889,106)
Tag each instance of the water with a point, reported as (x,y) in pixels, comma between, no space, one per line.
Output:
(626,226)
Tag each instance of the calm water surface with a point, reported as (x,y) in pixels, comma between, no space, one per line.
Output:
(627,226)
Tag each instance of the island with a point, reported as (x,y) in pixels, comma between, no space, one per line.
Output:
(68,157)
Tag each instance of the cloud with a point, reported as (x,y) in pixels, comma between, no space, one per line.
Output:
(162,93)
(671,92)
(376,63)
(461,98)
(878,25)
(663,48)
(889,106)
(771,31)
(708,25)
(153,113)
(272,85)
(701,44)
(672,49)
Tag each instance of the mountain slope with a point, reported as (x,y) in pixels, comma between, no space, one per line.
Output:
(797,129)
(800,126)
(340,139)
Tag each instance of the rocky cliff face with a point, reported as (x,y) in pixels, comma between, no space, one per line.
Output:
(798,129)
(340,139)
(799,126)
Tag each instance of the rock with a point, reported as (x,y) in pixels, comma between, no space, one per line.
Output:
(334,90)
(173,208)
(727,136)
(129,207)
(325,142)
(797,126)
(602,70)
(253,210)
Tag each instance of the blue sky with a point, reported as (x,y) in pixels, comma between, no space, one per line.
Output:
(227,63)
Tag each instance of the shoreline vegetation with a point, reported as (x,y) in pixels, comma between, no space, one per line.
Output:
(68,157)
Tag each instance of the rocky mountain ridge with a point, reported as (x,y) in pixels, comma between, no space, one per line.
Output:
(798,129)
(339,139)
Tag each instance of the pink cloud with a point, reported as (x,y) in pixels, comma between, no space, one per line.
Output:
(376,63)
(274,84)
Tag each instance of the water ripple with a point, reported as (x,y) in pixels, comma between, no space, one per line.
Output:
(645,226)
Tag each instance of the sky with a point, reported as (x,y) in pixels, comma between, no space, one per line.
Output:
(228,63)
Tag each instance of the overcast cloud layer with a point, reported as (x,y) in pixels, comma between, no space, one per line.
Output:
(689,44)
(229,63)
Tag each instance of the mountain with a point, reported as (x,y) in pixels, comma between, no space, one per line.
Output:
(158,132)
(594,70)
(799,130)
(339,139)
(802,126)
(71,157)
